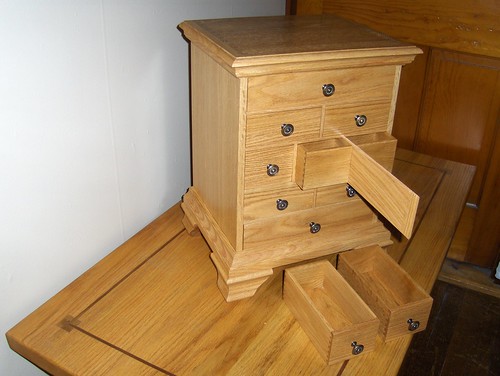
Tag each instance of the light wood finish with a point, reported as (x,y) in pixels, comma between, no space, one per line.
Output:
(322,163)
(395,201)
(387,289)
(296,225)
(246,83)
(329,311)
(342,120)
(151,307)
(344,45)
(449,97)
(216,98)
(353,88)
(380,146)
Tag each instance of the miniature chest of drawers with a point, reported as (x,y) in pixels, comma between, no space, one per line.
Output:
(289,113)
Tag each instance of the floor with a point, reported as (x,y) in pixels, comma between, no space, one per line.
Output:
(462,337)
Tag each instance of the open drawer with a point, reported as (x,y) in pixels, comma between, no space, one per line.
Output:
(402,306)
(338,322)
(365,168)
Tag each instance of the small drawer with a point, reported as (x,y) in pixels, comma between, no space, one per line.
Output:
(402,306)
(314,224)
(322,163)
(380,146)
(257,162)
(332,195)
(282,128)
(273,203)
(361,119)
(353,87)
(337,321)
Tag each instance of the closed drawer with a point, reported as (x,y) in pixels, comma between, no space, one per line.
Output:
(282,128)
(353,87)
(332,195)
(360,119)
(402,306)
(273,203)
(278,230)
(337,321)
(257,161)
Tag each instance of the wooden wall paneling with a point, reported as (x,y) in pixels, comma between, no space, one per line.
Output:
(460,25)
(411,87)
(458,116)
(485,239)
(448,98)
(304,7)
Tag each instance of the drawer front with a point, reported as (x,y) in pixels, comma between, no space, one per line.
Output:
(345,120)
(332,195)
(274,203)
(282,128)
(257,162)
(291,90)
(301,224)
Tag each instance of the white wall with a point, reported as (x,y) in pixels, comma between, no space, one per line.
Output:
(94,135)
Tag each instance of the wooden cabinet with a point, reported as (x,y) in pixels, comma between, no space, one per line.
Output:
(287,113)
(449,98)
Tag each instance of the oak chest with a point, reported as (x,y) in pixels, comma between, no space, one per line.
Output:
(291,143)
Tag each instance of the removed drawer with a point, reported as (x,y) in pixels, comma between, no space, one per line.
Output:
(402,306)
(338,322)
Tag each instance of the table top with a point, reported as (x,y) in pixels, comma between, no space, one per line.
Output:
(152,306)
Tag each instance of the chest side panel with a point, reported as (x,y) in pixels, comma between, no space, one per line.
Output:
(217,111)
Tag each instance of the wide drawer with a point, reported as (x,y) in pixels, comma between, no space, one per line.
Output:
(353,87)
(337,321)
(402,306)
(311,223)
(283,201)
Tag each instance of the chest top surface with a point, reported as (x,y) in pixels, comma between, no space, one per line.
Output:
(245,42)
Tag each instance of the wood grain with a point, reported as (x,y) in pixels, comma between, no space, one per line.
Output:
(329,310)
(353,87)
(212,337)
(279,44)
(216,159)
(387,289)
(322,163)
(463,25)
(396,202)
